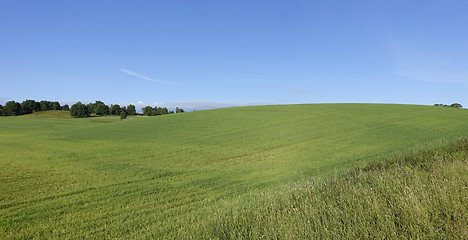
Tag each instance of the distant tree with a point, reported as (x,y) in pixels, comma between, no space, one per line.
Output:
(79,110)
(55,106)
(95,104)
(37,107)
(160,111)
(101,109)
(1,110)
(66,107)
(123,115)
(179,110)
(91,107)
(115,109)
(150,111)
(12,108)
(147,111)
(6,111)
(131,110)
(45,105)
(30,106)
(456,105)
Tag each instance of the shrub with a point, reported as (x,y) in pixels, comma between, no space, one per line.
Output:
(123,115)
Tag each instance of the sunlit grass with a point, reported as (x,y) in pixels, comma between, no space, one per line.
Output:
(422,195)
(49,114)
(158,176)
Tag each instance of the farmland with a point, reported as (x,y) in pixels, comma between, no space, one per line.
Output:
(175,175)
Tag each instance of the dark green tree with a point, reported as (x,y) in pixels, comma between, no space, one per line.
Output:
(179,110)
(115,109)
(55,106)
(101,109)
(12,108)
(6,111)
(66,107)
(79,110)
(456,105)
(91,107)
(147,111)
(1,110)
(123,115)
(131,110)
(29,106)
(45,105)
(159,111)
(105,110)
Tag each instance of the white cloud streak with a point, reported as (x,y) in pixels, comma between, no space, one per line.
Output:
(150,79)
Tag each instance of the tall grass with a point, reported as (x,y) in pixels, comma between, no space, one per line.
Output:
(421,195)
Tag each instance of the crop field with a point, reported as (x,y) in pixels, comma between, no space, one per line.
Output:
(176,176)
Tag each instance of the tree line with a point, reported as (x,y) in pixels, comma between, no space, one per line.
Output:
(99,108)
(455,105)
(79,109)
(155,111)
(13,108)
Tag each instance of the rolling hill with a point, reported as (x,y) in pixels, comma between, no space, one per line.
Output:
(170,176)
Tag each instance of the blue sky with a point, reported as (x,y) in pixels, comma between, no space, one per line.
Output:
(207,54)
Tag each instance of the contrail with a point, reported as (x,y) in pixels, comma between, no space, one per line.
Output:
(149,79)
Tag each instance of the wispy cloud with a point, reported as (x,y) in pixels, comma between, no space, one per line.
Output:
(150,79)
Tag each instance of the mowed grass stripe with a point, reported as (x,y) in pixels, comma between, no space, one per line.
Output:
(98,175)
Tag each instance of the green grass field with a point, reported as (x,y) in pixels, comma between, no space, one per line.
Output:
(419,195)
(173,176)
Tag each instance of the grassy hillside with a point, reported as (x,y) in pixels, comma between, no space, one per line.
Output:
(49,114)
(158,176)
(421,195)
